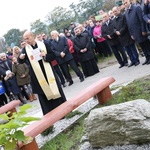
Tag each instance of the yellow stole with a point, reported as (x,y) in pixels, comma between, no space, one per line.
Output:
(50,89)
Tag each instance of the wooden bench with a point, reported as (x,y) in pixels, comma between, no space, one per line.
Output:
(11,106)
(100,88)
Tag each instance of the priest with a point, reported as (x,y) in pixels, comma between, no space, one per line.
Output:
(43,77)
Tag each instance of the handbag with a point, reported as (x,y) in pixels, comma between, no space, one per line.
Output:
(2,89)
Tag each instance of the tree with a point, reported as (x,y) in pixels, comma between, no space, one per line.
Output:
(38,27)
(13,37)
(2,44)
(85,8)
(59,18)
(108,5)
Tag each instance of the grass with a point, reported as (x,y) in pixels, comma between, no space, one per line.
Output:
(73,113)
(70,138)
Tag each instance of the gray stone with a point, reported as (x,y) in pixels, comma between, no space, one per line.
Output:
(121,124)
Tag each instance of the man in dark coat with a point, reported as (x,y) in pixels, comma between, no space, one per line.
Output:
(113,41)
(82,45)
(47,104)
(60,48)
(137,28)
(5,64)
(122,32)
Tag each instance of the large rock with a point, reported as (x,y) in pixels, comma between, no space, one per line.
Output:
(126,123)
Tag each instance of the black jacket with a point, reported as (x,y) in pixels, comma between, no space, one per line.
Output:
(120,25)
(109,30)
(61,46)
(81,42)
(136,23)
(4,67)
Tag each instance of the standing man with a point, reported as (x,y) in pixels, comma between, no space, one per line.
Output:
(63,56)
(123,34)
(113,41)
(43,78)
(137,28)
(82,45)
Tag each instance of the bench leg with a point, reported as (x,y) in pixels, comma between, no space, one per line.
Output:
(12,111)
(31,146)
(104,95)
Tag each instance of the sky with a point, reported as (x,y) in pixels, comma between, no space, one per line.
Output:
(18,14)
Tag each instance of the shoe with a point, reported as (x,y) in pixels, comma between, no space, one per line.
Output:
(121,66)
(137,63)
(82,79)
(34,97)
(131,64)
(70,83)
(31,98)
(146,61)
(126,64)
(64,85)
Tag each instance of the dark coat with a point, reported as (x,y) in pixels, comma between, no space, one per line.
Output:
(81,42)
(136,24)
(146,15)
(120,25)
(19,70)
(61,46)
(12,86)
(4,68)
(109,30)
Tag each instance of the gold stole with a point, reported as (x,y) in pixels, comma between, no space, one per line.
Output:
(50,89)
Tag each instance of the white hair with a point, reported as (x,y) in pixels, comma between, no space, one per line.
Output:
(2,54)
(54,32)
(61,34)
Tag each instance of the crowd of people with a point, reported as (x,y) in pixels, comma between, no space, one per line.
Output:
(42,66)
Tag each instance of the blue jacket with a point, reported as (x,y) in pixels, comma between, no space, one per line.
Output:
(61,46)
(136,23)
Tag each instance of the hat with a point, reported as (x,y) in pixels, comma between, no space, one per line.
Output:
(119,3)
(71,23)
(99,18)
(8,72)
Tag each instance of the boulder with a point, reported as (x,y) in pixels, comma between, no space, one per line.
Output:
(121,124)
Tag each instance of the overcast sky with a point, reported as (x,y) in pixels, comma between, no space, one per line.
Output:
(20,13)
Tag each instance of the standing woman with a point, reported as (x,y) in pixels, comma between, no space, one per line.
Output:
(101,41)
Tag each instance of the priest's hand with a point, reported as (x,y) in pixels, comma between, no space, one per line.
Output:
(22,56)
(42,54)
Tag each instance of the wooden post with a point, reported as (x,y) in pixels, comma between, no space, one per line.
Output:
(31,146)
(12,111)
(104,95)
